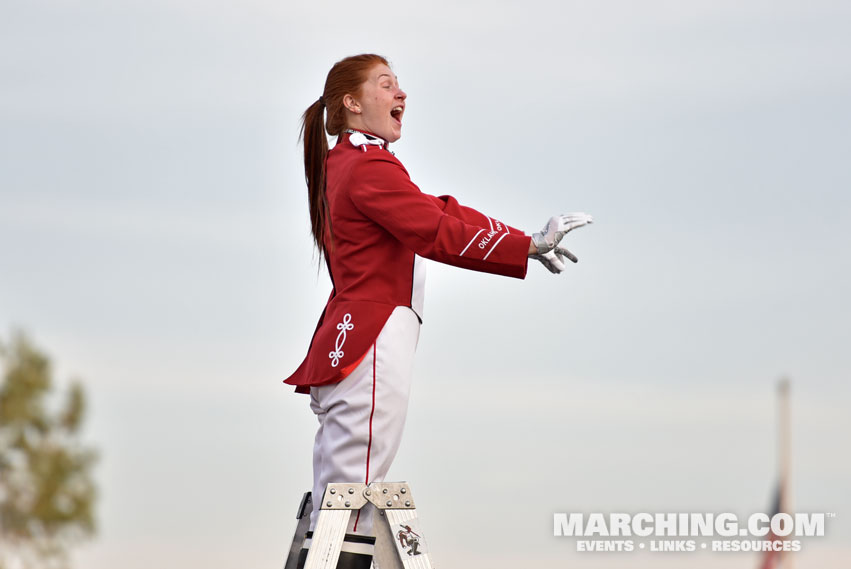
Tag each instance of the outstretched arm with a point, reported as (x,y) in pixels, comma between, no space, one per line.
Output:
(468,239)
(544,245)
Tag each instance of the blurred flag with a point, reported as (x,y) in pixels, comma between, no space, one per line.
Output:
(782,496)
(771,558)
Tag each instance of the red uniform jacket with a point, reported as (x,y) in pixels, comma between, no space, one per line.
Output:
(380,222)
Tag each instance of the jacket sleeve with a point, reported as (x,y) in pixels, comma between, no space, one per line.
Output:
(450,206)
(382,190)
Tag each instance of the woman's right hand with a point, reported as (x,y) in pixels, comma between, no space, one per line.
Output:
(544,245)
(556,228)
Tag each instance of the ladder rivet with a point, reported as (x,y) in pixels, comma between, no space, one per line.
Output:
(407,503)
(389,503)
(368,492)
(329,503)
(333,491)
(403,490)
(385,491)
(351,490)
(348,504)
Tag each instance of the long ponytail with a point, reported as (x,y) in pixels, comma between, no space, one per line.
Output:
(346,77)
(315,151)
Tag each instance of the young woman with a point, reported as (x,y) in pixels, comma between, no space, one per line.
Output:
(373,226)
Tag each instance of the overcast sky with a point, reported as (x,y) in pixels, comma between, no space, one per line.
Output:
(154,240)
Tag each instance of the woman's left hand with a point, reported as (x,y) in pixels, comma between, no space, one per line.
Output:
(553,259)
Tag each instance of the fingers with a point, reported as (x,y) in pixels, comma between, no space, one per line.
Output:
(555,260)
(570,221)
(546,262)
(554,231)
(577,216)
(566,253)
(550,267)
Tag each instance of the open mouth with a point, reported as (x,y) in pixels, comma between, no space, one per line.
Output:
(396,113)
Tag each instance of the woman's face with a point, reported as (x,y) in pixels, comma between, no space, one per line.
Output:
(380,106)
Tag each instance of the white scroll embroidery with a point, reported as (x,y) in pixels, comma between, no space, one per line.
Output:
(343,327)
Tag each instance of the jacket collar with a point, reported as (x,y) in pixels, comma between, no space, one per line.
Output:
(363,139)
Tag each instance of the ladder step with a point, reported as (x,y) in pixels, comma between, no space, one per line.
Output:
(327,539)
(400,542)
(303,517)
(410,543)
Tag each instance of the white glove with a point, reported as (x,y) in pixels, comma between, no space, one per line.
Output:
(553,259)
(556,228)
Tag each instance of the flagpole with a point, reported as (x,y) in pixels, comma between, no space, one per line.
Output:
(785,458)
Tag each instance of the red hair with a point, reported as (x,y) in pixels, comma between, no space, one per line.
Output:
(346,77)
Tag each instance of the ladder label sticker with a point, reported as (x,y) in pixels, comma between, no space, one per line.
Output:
(409,538)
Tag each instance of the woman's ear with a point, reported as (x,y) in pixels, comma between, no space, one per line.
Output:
(351,104)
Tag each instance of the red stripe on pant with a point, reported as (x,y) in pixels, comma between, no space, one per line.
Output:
(369,444)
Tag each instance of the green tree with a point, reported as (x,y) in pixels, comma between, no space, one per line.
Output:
(47,491)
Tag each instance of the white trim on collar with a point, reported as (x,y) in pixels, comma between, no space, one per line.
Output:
(359,138)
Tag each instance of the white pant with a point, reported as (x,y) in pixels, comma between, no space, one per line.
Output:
(362,417)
